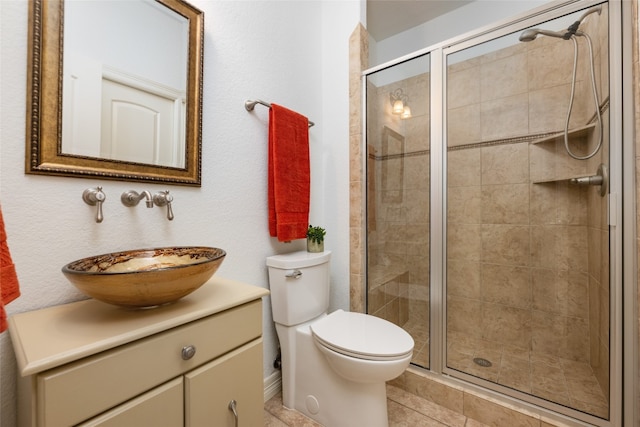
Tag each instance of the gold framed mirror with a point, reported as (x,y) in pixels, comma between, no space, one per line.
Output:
(48,151)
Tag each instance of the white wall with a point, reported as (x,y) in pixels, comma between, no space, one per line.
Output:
(289,52)
(468,18)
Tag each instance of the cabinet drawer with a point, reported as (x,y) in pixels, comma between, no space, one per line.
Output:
(161,407)
(77,391)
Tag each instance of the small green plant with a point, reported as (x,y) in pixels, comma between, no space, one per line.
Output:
(316,234)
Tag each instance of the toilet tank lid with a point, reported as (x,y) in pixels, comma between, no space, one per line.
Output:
(298,259)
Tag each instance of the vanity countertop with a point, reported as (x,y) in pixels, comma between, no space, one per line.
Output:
(47,338)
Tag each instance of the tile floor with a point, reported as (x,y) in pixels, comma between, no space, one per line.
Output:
(559,380)
(404,409)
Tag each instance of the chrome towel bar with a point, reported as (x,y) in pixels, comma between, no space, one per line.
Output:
(250,105)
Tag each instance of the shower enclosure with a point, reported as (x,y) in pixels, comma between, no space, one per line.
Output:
(488,234)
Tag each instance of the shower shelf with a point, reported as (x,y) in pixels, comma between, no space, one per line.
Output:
(580,132)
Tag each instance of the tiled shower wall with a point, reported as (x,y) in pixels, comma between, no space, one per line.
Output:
(525,248)
(398,204)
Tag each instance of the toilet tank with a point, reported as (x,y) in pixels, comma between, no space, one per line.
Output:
(299,283)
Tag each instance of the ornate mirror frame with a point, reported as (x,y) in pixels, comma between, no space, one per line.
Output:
(44,104)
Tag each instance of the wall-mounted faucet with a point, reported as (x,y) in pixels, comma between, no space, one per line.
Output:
(164,198)
(132,198)
(93,197)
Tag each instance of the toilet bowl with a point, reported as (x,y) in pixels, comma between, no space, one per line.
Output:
(363,348)
(334,366)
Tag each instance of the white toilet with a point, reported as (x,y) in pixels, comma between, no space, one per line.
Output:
(334,366)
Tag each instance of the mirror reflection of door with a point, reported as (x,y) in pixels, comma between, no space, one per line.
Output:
(141,126)
(124,62)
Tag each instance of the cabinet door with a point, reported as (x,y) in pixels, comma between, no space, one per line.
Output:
(236,376)
(160,407)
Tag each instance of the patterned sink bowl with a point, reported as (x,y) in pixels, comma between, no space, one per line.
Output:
(144,278)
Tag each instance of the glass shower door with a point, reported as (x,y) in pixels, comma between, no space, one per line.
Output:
(397,193)
(527,260)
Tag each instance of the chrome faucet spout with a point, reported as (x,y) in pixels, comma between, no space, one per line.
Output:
(132,198)
(148,199)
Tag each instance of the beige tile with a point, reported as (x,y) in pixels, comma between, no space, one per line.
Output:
(560,335)
(590,408)
(504,117)
(586,390)
(464,125)
(515,373)
(401,416)
(464,315)
(561,292)
(464,242)
(425,407)
(473,423)
(504,77)
(463,279)
(507,285)
(463,204)
(505,164)
(505,244)
(545,359)
(459,360)
(558,60)
(552,390)
(558,203)
(463,167)
(505,204)
(545,388)
(506,325)
(272,421)
(544,247)
(434,391)
(463,87)
(495,415)
(522,353)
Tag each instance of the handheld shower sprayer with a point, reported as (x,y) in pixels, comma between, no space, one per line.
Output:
(571,33)
(532,33)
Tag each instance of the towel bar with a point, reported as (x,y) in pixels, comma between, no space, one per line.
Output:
(250,105)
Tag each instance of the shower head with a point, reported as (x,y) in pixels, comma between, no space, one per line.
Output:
(597,8)
(532,33)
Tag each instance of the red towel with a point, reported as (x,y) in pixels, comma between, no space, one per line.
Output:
(9,289)
(289,174)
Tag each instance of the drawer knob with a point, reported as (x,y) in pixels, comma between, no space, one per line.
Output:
(188,352)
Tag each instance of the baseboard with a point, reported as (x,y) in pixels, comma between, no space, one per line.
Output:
(272,385)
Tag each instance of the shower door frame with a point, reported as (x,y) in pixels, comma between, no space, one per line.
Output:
(621,160)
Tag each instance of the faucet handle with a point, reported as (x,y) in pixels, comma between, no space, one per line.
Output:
(164,198)
(93,197)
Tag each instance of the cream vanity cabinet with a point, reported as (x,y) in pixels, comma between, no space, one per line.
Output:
(196,362)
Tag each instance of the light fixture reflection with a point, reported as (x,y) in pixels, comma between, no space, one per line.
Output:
(398,107)
(399,104)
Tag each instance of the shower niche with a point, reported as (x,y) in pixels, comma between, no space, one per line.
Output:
(521,302)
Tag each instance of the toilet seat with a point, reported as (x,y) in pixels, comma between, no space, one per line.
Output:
(362,336)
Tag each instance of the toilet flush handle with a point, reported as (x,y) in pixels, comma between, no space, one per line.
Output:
(294,274)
